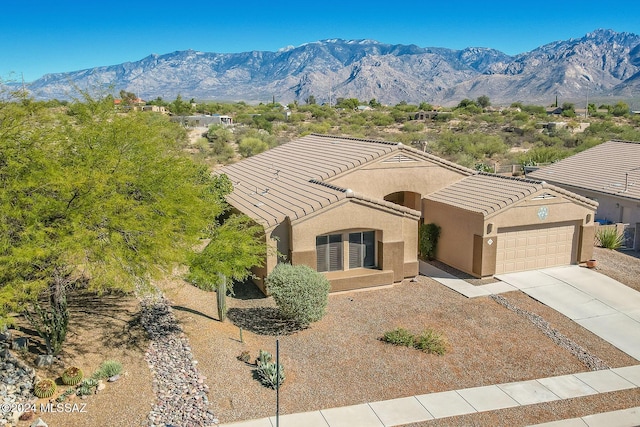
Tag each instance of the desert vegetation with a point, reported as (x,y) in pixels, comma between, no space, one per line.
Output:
(473,133)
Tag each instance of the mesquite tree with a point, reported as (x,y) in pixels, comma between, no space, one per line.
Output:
(92,196)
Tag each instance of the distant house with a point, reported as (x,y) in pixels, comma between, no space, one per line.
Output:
(556,111)
(608,173)
(351,208)
(204,120)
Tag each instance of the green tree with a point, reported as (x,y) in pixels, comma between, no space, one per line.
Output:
(483,101)
(235,247)
(251,146)
(179,107)
(300,292)
(93,197)
(620,109)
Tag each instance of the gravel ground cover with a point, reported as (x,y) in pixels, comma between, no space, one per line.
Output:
(341,361)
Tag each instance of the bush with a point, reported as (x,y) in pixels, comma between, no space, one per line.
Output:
(609,238)
(300,293)
(428,235)
(108,369)
(399,336)
(431,342)
(251,146)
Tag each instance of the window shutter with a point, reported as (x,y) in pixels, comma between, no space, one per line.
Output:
(335,256)
(355,254)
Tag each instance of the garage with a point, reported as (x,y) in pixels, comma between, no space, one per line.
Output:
(532,247)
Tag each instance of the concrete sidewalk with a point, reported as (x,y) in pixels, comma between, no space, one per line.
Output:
(427,407)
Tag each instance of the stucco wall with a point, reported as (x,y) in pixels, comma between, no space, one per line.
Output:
(465,232)
(380,179)
(456,242)
(395,231)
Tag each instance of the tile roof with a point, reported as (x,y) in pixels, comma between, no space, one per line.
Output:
(612,167)
(287,181)
(488,193)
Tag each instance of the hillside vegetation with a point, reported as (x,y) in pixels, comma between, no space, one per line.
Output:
(471,134)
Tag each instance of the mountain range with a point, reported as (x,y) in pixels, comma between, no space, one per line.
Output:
(602,64)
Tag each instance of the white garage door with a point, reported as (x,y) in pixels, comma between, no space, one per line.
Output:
(530,248)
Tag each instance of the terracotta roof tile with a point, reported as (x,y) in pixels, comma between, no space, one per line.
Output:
(488,193)
(286,181)
(612,167)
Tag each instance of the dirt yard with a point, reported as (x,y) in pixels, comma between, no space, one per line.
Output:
(339,360)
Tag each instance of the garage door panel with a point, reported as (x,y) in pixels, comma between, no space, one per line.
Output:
(528,248)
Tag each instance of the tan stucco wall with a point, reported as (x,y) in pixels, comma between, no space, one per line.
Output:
(396,234)
(458,227)
(379,179)
(560,209)
(465,233)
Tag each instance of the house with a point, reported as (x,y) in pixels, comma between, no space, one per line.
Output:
(608,173)
(351,208)
(204,120)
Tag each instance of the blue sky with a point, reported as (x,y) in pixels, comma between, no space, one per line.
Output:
(40,37)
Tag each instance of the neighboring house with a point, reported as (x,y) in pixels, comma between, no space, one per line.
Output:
(352,208)
(203,120)
(608,173)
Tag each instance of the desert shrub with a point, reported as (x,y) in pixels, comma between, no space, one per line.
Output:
(398,336)
(251,146)
(107,369)
(609,238)
(430,342)
(87,387)
(267,373)
(244,356)
(300,292)
(428,235)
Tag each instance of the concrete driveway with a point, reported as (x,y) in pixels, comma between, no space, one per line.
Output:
(602,305)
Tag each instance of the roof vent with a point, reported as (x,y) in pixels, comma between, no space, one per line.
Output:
(400,144)
(349,192)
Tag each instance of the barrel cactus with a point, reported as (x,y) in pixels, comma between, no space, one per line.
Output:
(72,375)
(44,389)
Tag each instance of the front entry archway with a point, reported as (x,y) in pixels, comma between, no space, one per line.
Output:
(408,199)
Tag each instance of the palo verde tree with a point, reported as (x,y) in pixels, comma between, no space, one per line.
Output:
(90,196)
(236,246)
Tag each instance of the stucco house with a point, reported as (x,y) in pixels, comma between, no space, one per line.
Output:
(608,173)
(351,208)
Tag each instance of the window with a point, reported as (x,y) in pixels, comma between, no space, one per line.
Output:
(362,249)
(329,251)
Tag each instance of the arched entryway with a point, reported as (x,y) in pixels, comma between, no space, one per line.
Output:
(408,199)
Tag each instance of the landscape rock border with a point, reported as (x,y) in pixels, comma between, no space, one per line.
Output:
(181,394)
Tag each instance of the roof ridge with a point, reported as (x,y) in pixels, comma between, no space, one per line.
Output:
(435,158)
(620,140)
(351,138)
(512,178)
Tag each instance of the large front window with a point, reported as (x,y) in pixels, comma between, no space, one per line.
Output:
(336,251)
(362,249)
(329,249)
